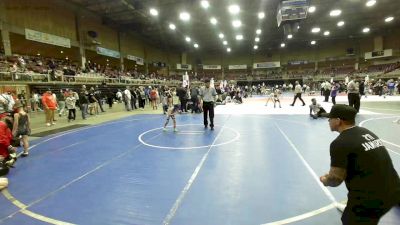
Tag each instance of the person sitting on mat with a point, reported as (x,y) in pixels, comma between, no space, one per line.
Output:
(171,114)
(316,109)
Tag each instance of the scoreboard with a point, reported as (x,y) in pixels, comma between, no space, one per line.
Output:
(290,10)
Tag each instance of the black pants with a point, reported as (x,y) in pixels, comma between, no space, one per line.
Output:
(354,100)
(71,114)
(326,94)
(110,102)
(360,214)
(183,104)
(208,108)
(333,99)
(298,95)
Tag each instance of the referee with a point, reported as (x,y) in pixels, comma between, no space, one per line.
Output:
(208,96)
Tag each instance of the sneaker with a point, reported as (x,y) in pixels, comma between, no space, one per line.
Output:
(175,130)
(48,124)
(53,123)
(164,129)
(291,105)
(25,154)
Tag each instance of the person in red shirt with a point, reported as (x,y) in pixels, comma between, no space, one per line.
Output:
(49,105)
(7,152)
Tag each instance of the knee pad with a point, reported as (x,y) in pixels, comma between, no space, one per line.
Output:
(3,182)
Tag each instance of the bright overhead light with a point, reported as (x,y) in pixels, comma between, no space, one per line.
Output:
(388,19)
(188,39)
(196,45)
(283,45)
(221,35)
(326,33)
(313,42)
(234,9)
(213,20)
(261,15)
(370,3)
(225,42)
(257,39)
(258,31)
(255,47)
(205,4)
(316,30)
(335,12)
(311,9)
(184,16)
(340,23)
(153,12)
(366,30)
(289,36)
(236,23)
(172,26)
(228,49)
(239,37)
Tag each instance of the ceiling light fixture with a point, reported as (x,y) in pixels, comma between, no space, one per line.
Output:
(234,9)
(313,42)
(196,45)
(340,23)
(236,23)
(172,26)
(311,9)
(335,12)
(228,49)
(213,20)
(255,47)
(326,33)
(257,39)
(239,37)
(188,39)
(370,3)
(221,35)
(205,4)
(184,16)
(366,30)
(316,30)
(283,45)
(153,12)
(388,19)
(258,31)
(225,43)
(290,36)
(261,15)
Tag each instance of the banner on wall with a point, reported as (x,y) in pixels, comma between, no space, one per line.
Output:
(107,52)
(379,54)
(183,67)
(138,60)
(264,65)
(237,67)
(38,36)
(298,62)
(211,67)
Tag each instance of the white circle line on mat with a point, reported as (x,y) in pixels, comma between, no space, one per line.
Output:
(140,138)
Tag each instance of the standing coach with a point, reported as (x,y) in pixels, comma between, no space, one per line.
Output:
(208,96)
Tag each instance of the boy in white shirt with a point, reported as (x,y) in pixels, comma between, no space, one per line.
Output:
(171,114)
(316,109)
